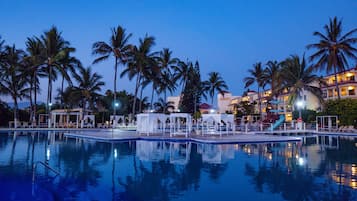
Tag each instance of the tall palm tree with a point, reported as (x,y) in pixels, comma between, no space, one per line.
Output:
(215,83)
(89,85)
(256,76)
(55,48)
(271,76)
(334,49)
(68,64)
(142,60)
(181,73)
(118,47)
(166,64)
(13,83)
(34,61)
(298,77)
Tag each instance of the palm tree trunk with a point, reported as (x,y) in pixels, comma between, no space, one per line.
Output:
(141,98)
(35,100)
(49,94)
(336,83)
(152,96)
(31,103)
(260,104)
(15,112)
(115,86)
(165,101)
(62,85)
(138,78)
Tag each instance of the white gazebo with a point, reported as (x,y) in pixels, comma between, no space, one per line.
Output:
(151,123)
(71,118)
(180,124)
(327,123)
(217,123)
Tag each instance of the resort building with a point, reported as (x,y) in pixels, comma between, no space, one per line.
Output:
(347,84)
(224,101)
(175,100)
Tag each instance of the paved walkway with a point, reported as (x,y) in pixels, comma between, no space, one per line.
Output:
(132,135)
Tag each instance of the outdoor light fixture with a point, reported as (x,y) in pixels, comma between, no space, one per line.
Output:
(116,104)
(50,104)
(300,104)
(211,110)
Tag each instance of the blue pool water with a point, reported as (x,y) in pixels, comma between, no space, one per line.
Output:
(318,168)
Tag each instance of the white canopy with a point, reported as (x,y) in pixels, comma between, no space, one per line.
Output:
(180,123)
(151,122)
(215,123)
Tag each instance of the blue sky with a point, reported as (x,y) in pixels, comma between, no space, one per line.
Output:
(225,36)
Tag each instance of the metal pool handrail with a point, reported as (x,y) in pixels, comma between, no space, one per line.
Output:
(46,166)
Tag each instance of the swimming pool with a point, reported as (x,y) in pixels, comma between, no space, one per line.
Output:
(319,168)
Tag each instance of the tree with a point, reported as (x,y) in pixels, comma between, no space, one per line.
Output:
(166,64)
(34,61)
(271,77)
(118,47)
(215,83)
(298,78)
(193,90)
(334,49)
(181,73)
(89,85)
(256,76)
(142,60)
(55,48)
(13,83)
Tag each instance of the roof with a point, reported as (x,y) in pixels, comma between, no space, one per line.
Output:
(205,106)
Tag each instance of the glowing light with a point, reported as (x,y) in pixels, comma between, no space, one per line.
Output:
(50,104)
(301,161)
(351,88)
(48,154)
(116,104)
(300,104)
(211,110)
(349,75)
(115,153)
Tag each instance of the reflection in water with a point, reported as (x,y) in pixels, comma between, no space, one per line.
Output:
(318,168)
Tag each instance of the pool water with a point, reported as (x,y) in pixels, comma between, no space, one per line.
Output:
(317,168)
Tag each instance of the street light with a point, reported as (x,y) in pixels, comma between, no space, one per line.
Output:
(300,105)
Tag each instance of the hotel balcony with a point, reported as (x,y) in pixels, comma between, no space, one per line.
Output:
(346,91)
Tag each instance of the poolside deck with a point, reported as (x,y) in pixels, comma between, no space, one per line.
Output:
(212,139)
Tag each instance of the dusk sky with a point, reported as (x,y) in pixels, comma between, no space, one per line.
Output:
(224,36)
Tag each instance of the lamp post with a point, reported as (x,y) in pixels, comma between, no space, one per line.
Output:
(300,104)
(116,105)
(49,114)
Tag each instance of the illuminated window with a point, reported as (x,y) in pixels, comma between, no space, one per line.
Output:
(351,91)
(343,91)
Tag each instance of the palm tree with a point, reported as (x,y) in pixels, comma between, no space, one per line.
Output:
(181,73)
(271,77)
(89,85)
(166,64)
(256,76)
(55,48)
(67,64)
(34,60)
(215,83)
(334,49)
(118,47)
(141,62)
(13,83)
(299,78)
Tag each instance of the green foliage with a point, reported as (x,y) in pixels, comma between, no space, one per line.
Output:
(197,115)
(346,109)
(308,116)
(193,90)
(244,108)
(5,114)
